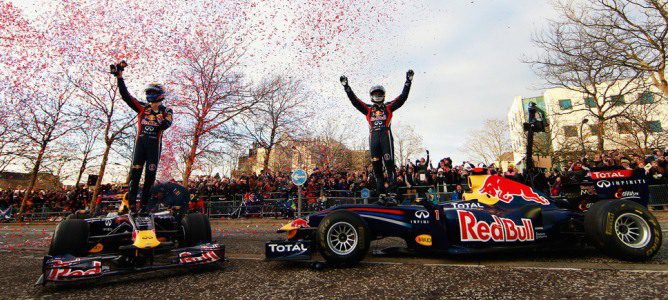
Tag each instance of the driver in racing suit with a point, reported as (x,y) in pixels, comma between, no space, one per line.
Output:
(153,119)
(381,144)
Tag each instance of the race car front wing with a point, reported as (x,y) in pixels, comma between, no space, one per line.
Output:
(68,268)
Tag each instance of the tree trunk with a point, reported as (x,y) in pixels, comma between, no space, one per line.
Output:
(190,160)
(600,132)
(267,154)
(82,169)
(100,175)
(33,177)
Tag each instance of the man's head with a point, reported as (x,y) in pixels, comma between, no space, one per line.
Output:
(155,92)
(377,93)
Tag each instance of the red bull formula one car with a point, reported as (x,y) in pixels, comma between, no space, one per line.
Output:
(497,214)
(87,248)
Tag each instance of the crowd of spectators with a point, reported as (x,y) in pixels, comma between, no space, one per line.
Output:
(326,183)
(49,201)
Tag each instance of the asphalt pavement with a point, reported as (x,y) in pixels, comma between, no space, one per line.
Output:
(576,272)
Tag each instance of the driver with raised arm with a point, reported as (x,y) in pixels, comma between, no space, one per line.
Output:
(381,144)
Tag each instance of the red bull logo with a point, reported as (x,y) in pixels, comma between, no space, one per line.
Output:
(501,230)
(68,273)
(188,258)
(299,223)
(506,189)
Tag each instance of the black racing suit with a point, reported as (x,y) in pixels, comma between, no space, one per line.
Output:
(148,143)
(170,194)
(381,143)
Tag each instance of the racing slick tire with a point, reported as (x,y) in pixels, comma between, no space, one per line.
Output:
(623,229)
(196,229)
(343,238)
(70,237)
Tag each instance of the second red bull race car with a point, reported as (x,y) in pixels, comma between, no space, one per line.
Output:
(497,214)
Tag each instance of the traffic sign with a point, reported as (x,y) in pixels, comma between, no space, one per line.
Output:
(365,193)
(298,177)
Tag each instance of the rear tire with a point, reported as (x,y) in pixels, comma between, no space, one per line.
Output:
(623,229)
(343,238)
(70,237)
(196,229)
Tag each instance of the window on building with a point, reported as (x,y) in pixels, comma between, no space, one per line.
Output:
(565,104)
(624,127)
(570,131)
(593,128)
(617,100)
(590,102)
(646,97)
(654,126)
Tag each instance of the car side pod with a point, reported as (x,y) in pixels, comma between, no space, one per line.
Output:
(68,268)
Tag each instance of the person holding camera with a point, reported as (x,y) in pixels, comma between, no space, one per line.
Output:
(153,119)
(381,144)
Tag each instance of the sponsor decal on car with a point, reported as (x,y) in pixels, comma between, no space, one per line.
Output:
(278,248)
(621,194)
(500,230)
(188,258)
(467,205)
(607,184)
(505,190)
(612,174)
(421,217)
(424,240)
(70,274)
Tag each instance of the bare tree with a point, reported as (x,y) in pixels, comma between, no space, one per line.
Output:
(408,143)
(213,93)
(640,126)
(104,114)
(571,59)
(627,33)
(488,143)
(44,120)
(278,116)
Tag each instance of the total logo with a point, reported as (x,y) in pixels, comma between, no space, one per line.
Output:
(421,217)
(612,174)
(501,230)
(467,205)
(286,248)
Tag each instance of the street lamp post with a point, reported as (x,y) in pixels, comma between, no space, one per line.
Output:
(584,121)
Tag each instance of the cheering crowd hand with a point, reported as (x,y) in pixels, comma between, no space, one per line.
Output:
(409,75)
(344,80)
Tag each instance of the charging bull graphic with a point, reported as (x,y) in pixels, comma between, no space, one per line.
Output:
(505,189)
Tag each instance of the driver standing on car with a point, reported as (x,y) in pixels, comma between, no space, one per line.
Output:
(153,119)
(381,143)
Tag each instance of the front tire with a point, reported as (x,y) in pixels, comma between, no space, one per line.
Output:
(196,229)
(343,238)
(623,229)
(70,237)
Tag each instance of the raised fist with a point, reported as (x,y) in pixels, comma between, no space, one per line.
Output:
(117,69)
(409,75)
(344,80)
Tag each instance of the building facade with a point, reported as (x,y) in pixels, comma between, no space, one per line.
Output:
(633,121)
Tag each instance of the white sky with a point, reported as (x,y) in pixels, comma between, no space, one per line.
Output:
(466,55)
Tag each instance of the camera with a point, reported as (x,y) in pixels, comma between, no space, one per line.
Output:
(119,67)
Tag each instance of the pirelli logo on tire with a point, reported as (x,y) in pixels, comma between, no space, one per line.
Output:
(609,223)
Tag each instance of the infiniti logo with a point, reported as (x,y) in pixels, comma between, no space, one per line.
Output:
(422,214)
(603,184)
